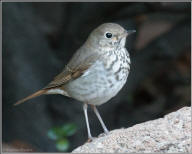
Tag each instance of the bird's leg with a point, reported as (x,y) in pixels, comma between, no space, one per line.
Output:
(90,138)
(100,119)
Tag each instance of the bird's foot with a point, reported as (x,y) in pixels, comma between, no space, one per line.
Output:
(106,132)
(90,139)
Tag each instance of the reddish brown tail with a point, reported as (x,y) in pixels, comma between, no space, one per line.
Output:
(38,93)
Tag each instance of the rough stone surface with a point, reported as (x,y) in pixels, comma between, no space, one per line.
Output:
(169,134)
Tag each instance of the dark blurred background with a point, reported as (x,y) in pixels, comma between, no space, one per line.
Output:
(40,38)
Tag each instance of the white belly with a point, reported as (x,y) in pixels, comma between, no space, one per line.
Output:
(98,84)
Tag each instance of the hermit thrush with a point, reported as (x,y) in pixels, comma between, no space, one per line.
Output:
(97,71)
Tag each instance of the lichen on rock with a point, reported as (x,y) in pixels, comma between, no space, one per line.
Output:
(172,133)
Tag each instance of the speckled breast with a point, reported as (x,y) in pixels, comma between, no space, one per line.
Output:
(103,80)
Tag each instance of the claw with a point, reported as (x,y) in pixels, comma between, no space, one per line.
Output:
(106,132)
(90,139)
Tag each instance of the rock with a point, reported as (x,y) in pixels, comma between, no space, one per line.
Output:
(169,134)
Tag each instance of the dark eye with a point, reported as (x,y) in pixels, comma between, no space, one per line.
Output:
(108,35)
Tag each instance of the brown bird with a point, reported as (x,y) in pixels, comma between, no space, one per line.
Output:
(97,71)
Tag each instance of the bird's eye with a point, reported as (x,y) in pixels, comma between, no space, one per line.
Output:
(108,35)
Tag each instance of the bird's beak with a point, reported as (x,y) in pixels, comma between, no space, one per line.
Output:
(130,31)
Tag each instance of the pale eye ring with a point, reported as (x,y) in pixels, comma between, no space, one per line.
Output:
(108,35)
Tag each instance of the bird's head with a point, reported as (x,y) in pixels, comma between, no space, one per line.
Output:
(109,35)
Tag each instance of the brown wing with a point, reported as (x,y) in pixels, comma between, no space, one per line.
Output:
(79,63)
(66,76)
